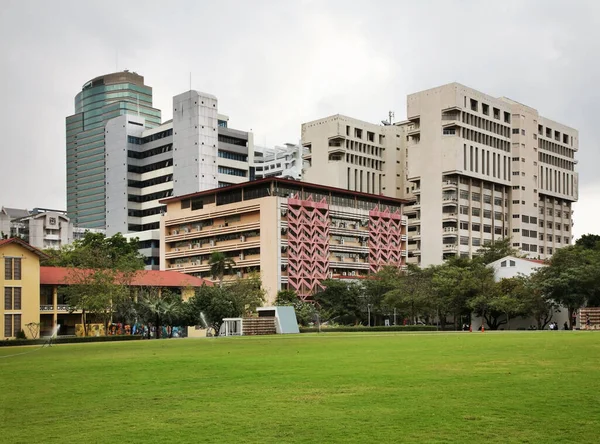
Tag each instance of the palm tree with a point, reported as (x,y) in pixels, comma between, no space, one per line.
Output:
(219,264)
(155,308)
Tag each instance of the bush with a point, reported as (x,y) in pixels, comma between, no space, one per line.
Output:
(69,340)
(363,328)
(21,335)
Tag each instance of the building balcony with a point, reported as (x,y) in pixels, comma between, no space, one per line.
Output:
(416,191)
(450,248)
(449,200)
(449,185)
(52,237)
(413,129)
(64,308)
(449,216)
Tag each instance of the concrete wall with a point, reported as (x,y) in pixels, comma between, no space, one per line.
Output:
(195,139)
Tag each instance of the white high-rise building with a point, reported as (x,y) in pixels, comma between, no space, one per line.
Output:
(193,152)
(279,161)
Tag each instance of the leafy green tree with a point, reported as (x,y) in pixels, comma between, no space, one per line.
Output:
(341,300)
(96,251)
(219,265)
(413,293)
(589,242)
(484,295)
(537,303)
(452,287)
(159,307)
(379,284)
(496,250)
(231,301)
(572,278)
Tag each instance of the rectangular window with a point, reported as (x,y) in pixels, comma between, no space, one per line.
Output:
(515,130)
(525,233)
(567,240)
(476,197)
(7,298)
(464,194)
(8,267)
(17,298)
(475,227)
(464,225)
(497,215)
(17,324)
(464,240)
(8,326)
(487,228)
(487,214)
(476,242)
(487,198)
(464,209)
(475,212)
(525,219)
(497,230)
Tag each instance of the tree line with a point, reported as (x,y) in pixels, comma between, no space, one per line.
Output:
(450,293)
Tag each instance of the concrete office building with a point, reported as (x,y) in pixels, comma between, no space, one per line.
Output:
(354,155)
(295,234)
(484,168)
(193,152)
(280,161)
(101,99)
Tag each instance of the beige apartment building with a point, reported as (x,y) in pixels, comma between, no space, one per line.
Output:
(486,168)
(478,168)
(294,234)
(347,153)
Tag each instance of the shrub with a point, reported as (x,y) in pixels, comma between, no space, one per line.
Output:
(363,328)
(21,335)
(69,340)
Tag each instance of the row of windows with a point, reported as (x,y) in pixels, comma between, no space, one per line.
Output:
(487,214)
(232,140)
(235,156)
(150,182)
(150,197)
(485,109)
(360,147)
(214,240)
(232,171)
(478,227)
(487,198)
(358,133)
(364,161)
(484,139)
(485,124)
(151,138)
(557,135)
(148,168)
(500,169)
(149,212)
(368,186)
(556,161)
(550,225)
(150,153)
(551,180)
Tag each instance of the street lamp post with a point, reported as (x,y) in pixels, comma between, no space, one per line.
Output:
(369,313)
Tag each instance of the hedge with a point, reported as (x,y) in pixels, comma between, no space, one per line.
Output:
(69,340)
(363,328)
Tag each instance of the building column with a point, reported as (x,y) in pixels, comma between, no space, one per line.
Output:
(54,305)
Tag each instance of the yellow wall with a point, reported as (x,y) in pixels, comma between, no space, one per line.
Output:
(29,283)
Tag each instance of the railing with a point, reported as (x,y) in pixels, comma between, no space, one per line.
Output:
(450,230)
(50,307)
(450,247)
(46,307)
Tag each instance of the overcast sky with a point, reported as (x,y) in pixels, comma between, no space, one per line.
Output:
(276,64)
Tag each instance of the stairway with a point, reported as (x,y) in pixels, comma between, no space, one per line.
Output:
(259,326)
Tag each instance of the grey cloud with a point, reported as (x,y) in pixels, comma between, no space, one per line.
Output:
(275,64)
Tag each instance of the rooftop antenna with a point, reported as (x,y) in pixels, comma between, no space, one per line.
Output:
(390,120)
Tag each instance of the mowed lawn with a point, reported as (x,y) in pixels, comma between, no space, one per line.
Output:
(354,388)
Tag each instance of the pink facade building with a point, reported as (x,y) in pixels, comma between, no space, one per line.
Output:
(294,234)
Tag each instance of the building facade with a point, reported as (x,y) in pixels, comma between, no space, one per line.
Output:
(293,233)
(20,286)
(100,99)
(485,168)
(347,153)
(42,228)
(280,161)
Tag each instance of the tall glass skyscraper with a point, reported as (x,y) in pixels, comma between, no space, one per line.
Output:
(101,99)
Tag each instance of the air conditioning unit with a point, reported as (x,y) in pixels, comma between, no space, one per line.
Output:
(186,230)
(354,273)
(341,241)
(239,274)
(195,263)
(242,238)
(176,249)
(241,256)
(212,242)
(356,259)
(198,227)
(179,265)
(344,273)
(190,246)
(175,231)
(220,226)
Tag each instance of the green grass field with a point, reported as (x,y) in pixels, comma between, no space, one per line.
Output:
(354,388)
